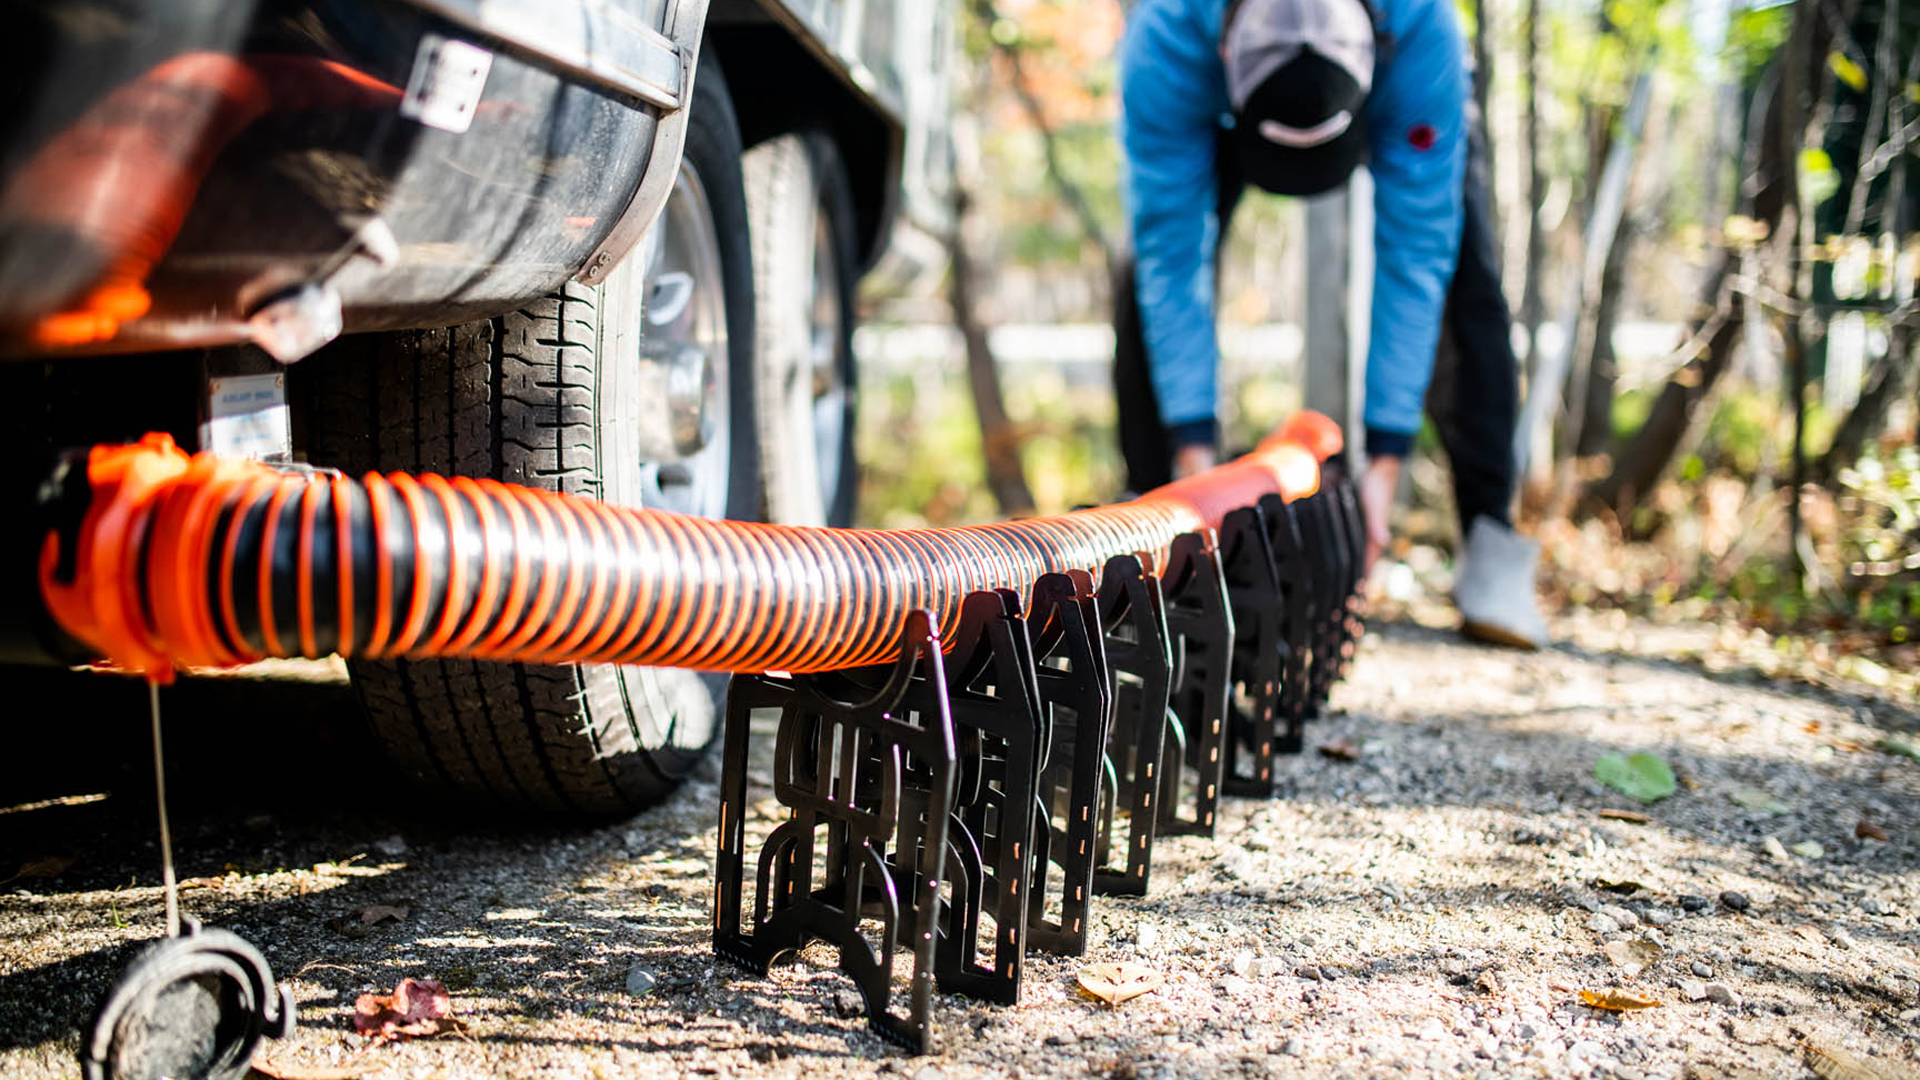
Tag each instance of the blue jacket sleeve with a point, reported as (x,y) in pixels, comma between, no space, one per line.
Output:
(1416,118)
(1173,94)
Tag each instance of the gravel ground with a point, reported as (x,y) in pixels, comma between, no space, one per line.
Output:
(1433,907)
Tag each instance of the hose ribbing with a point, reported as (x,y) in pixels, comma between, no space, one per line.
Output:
(208,562)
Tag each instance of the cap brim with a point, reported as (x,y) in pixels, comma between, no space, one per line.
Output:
(1285,170)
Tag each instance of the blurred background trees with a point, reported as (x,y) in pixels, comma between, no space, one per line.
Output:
(1711,245)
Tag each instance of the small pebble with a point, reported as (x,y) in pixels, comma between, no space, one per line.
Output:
(1602,923)
(929,1073)
(1308,971)
(641,981)
(1147,936)
(1291,1048)
(1692,989)
(1873,907)
(1774,848)
(1839,936)
(392,845)
(1242,962)
(1268,966)
(1691,902)
(1235,986)
(1720,995)
(1059,1038)
(1657,917)
(848,1004)
(1701,969)
(1735,901)
(1622,917)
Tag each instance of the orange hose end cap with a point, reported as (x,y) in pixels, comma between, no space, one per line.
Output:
(1316,431)
(1295,468)
(100,605)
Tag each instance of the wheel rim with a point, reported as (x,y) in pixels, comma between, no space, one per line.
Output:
(829,381)
(685,306)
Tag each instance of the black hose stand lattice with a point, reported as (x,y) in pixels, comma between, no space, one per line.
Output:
(876,771)
(1268,620)
(1201,624)
(947,812)
(1070,659)
(1139,645)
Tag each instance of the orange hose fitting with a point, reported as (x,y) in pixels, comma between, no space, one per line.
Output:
(207,562)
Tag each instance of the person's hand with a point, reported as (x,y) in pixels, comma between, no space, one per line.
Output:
(1193,458)
(1377,489)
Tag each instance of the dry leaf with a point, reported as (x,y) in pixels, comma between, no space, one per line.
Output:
(276,1071)
(1633,816)
(1118,982)
(44,866)
(1867,830)
(1616,1001)
(1632,957)
(1623,887)
(375,914)
(1833,1063)
(417,1008)
(1340,750)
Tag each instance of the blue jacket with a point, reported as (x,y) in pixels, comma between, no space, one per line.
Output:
(1173,105)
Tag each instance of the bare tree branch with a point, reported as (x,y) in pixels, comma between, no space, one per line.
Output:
(1069,191)
(999,437)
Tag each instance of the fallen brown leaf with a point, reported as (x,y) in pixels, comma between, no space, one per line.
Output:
(1340,750)
(1616,1001)
(1119,982)
(273,1070)
(1833,1063)
(44,866)
(1867,830)
(1633,816)
(417,1009)
(375,914)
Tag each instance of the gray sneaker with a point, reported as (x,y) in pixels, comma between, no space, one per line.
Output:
(1494,588)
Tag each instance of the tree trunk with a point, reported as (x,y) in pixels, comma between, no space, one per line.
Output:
(999,439)
(1594,434)
(1643,458)
(1531,301)
(1544,393)
(1482,91)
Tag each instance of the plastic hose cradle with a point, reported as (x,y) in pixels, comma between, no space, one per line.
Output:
(206,562)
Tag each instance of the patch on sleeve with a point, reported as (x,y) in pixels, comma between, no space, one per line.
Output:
(1422,136)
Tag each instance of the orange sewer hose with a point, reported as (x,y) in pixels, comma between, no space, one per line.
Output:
(208,562)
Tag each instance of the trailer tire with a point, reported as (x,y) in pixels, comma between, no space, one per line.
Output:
(805,250)
(540,397)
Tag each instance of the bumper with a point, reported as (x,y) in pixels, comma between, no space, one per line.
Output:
(176,171)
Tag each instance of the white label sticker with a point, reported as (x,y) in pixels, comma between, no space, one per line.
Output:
(247,416)
(447,81)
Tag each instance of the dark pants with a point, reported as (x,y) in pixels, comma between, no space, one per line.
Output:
(1474,398)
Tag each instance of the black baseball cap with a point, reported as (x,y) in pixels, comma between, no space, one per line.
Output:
(1298,74)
